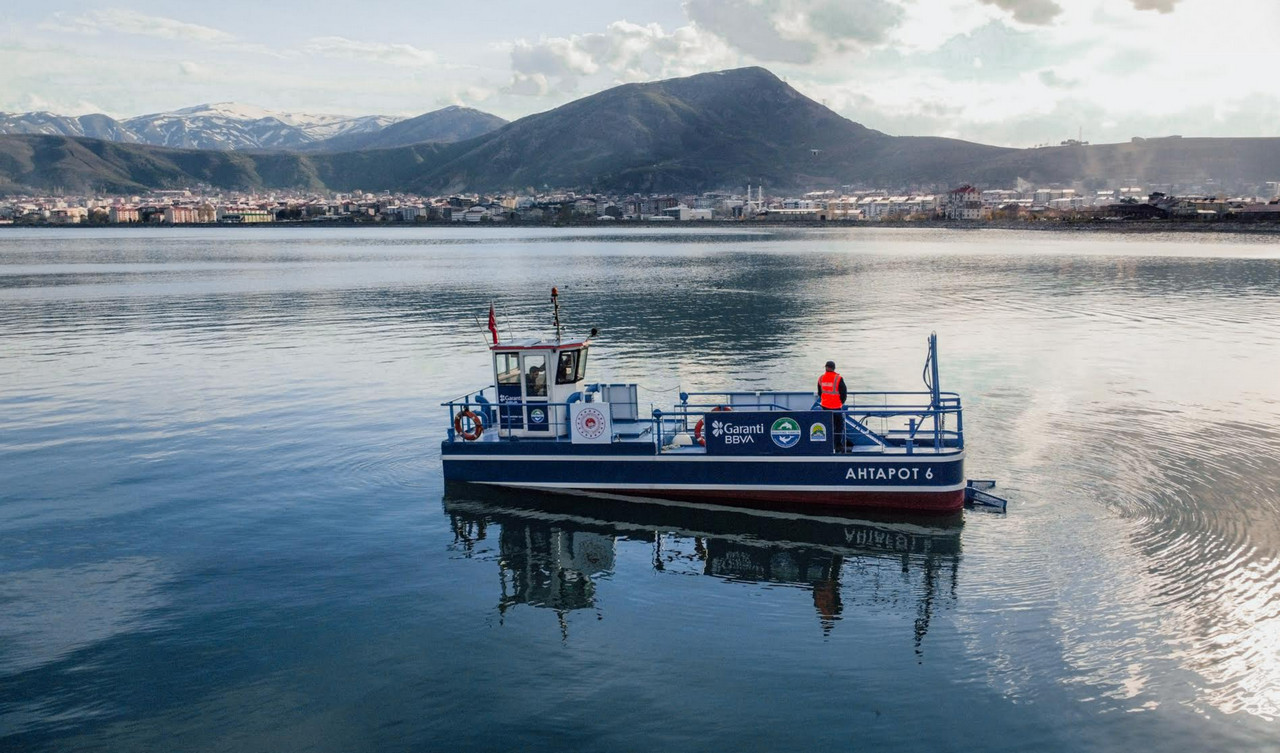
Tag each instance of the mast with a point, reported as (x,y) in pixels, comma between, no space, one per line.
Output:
(555,304)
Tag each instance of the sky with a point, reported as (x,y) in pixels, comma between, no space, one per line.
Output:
(1007,72)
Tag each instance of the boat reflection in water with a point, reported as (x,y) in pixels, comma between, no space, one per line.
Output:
(551,547)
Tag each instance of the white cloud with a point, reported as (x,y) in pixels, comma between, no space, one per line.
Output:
(466,96)
(389,53)
(1164,6)
(797,31)
(34,103)
(133,22)
(623,52)
(528,85)
(1030,11)
(558,56)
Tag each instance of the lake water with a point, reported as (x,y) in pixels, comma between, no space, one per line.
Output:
(223,524)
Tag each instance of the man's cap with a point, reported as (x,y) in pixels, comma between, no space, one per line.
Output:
(831,365)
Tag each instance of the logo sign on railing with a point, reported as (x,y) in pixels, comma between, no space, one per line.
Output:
(769,433)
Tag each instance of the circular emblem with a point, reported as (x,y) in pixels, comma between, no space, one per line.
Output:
(538,416)
(785,432)
(589,423)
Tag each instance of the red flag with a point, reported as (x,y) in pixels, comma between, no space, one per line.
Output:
(493,325)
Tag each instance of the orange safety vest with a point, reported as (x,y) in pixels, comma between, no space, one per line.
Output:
(829,390)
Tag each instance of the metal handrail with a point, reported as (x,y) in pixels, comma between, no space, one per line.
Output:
(467,396)
(923,420)
(810,392)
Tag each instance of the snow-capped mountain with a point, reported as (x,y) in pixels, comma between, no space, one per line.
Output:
(91,126)
(229,125)
(224,126)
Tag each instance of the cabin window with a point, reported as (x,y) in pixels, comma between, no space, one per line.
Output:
(508,368)
(567,371)
(582,366)
(535,376)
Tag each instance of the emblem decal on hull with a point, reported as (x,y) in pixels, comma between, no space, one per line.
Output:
(817,433)
(785,432)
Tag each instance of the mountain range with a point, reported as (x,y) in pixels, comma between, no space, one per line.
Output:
(709,131)
(233,126)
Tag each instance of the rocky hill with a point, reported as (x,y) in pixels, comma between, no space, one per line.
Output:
(706,131)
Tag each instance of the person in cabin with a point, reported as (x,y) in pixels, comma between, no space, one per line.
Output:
(832,395)
(536,381)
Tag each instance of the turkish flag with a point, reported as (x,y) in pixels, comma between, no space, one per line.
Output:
(493,325)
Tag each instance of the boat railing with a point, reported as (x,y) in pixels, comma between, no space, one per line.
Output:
(507,416)
(911,424)
(809,400)
(473,402)
(912,419)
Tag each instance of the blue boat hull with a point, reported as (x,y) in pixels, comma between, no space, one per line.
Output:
(923,483)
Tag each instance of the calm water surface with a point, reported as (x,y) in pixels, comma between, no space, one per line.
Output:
(223,526)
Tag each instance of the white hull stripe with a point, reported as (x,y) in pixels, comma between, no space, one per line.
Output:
(720,487)
(901,459)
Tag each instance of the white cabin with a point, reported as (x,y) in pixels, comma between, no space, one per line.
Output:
(535,380)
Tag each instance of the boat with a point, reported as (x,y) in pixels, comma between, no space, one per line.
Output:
(542,425)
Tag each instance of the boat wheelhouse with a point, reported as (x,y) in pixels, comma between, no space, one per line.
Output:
(542,425)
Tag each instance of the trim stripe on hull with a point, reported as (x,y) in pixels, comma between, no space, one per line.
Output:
(914,499)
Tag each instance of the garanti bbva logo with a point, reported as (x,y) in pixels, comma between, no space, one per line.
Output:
(717,428)
(785,432)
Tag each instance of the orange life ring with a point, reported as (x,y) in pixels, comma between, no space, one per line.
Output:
(467,435)
(697,430)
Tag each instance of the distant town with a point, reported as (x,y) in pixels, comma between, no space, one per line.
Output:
(966,203)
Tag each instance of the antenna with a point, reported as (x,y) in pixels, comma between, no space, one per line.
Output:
(480,327)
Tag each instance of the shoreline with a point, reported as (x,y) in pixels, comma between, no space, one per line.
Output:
(1148,227)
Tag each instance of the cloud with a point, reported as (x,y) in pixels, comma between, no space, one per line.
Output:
(34,103)
(528,85)
(1037,12)
(558,56)
(1006,53)
(797,31)
(1164,6)
(1053,80)
(402,55)
(623,52)
(466,96)
(751,27)
(133,22)
(188,68)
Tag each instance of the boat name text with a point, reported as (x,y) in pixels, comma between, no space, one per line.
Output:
(888,474)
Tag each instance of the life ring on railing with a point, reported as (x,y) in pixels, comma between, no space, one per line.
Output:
(467,435)
(697,430)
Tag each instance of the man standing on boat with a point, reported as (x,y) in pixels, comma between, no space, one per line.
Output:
(831,396)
